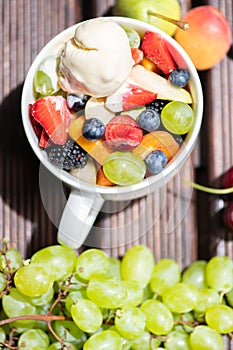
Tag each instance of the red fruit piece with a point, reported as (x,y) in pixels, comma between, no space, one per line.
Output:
(129,96)
(155,49)
(227,179)
(44,139)
(137,55)
(228,216)
(123,133)
(54,116)
(36,126)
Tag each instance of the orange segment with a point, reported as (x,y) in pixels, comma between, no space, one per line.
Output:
(97,149)
(157,140)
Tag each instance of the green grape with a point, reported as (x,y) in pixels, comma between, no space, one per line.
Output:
(159,319)
(177,340)
(114,269)
(137,265)
(42,299)
(220,318)
(181,297)
(11,261)
(87,315)
(106,292)
(177,117)
(134,38)
(184,322)
(60,260)
(166,273)
(144,342)
(2,335)
(195,274)
(3,282)
(69,332)
(33,280)
(206,298)
(130,322)
(57,346)
(73,297)
(134,294)
(91,263)
(219,273)
(46,78)
(33,339)
(206,338)
(229,297)
(147,293)
(104,340)
(124,169)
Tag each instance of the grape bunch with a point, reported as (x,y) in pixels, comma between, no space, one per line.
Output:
(58,300)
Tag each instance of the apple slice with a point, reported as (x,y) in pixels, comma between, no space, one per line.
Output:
(151,81)
(95,108)
(88,173)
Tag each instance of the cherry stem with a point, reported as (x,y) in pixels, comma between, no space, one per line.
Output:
(179,24)
(210,190)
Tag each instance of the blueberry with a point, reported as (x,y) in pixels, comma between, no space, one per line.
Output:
(76,102)
(156,161)
(93,129)
(149,120)
(179,77)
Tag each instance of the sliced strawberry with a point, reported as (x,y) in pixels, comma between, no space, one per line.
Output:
(137,55)
(44,140)
(54,116)
(36,126)
(129,96)
(155,49)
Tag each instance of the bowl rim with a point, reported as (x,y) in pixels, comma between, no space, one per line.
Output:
(153,182)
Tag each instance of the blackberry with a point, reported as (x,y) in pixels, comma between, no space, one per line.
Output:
(157,105)
(68,156)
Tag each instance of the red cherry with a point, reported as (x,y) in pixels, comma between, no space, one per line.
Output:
(227,179)
(228,216)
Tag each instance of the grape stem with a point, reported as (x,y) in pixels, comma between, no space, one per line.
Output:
(180,24)
(48,318)
(210,190)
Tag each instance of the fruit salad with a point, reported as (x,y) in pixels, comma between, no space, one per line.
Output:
(112,107)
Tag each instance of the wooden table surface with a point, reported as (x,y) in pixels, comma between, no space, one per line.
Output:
(29,214)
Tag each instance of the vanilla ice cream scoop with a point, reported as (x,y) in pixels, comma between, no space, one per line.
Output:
(97,60)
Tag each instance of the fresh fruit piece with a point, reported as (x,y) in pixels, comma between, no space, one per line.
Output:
(177,117)
(54,116)
(123,133)
(159,318)
(137,265)
(227,179)
(228,216)
(219,273)
(77,102)
(129,96)
(166,273)
(209,36)
(75,127)
(92,263)
(86,315)
(149,120)
(156,161)
(149,65)
(134,37)
(86,174)
(195,274)
(68,156)
(179,77)
(33,339)
(95,108)
(177,340)
(220,318)
(157,140)
(102,180)
(46,78)
(93,129)
(33,280)
(151,81)
(36,126)
(137,55)
(157,105)
(141,9)
(44,140)
(206,338)
(154,48)
(130,323)
(181,297)
(207,297)
(104,340)
(124,169)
